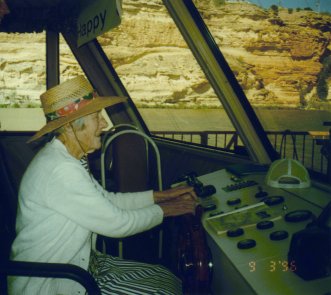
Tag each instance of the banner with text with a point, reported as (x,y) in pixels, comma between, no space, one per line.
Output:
(96,18)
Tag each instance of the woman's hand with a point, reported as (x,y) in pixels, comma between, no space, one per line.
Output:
(173,193)
(177,201)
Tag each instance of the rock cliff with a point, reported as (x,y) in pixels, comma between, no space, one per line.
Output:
(277,56)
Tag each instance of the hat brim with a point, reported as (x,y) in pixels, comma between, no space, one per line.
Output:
(95,105)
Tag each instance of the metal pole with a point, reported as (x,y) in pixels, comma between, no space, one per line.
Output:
(52,59)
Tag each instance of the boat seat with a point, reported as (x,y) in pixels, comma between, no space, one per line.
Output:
(130,162)
(15,155)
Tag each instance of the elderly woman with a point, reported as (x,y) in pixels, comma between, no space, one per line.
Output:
(61,205)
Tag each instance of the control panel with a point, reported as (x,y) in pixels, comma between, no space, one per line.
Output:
(249,228)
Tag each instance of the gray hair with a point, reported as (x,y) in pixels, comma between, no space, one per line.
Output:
(78,124)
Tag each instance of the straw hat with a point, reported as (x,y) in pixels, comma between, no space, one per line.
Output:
(69,101)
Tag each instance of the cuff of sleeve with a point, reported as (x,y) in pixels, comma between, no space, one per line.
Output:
(160,212)
(151,196)
(148,200)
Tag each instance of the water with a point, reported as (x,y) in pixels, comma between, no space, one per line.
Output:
(185,120)
(217,120)
(205,120)
(294,120)
(272,120)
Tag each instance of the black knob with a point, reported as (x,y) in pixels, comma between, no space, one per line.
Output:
(246,244)
(205,191)
(278,235)
(298,215)
(209,207)
(261,193)
(265,224)
(274,200)
(233,202)
(232,233)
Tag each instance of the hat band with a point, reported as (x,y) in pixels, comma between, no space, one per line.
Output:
(71,108)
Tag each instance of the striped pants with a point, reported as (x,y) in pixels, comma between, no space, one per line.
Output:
(118,276)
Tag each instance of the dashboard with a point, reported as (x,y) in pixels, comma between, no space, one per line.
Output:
(249,229)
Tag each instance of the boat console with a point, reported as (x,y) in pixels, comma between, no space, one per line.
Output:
(249,229)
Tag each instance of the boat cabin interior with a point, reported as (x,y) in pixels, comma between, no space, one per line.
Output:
(188,119)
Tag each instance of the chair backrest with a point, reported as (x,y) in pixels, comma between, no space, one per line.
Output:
(130,162)
(15,155)
(7,212)
(132,158)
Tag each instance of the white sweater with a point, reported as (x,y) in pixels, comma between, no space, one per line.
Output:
(60,205)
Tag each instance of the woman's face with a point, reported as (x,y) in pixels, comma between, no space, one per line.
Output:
(90,136)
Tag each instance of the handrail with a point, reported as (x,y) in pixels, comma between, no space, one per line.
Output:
(139,133)
(51,270)
(307,147)
(106,142)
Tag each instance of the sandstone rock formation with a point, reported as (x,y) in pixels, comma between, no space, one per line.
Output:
(276,57)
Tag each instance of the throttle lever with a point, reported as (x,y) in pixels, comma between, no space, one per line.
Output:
(202,191)
(205,191)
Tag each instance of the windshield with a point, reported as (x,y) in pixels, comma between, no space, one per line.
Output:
(280,57)
(164,80)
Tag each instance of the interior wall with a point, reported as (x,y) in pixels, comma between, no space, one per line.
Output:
(179,160)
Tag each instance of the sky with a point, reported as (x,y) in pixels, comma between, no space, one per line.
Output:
(325,5)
